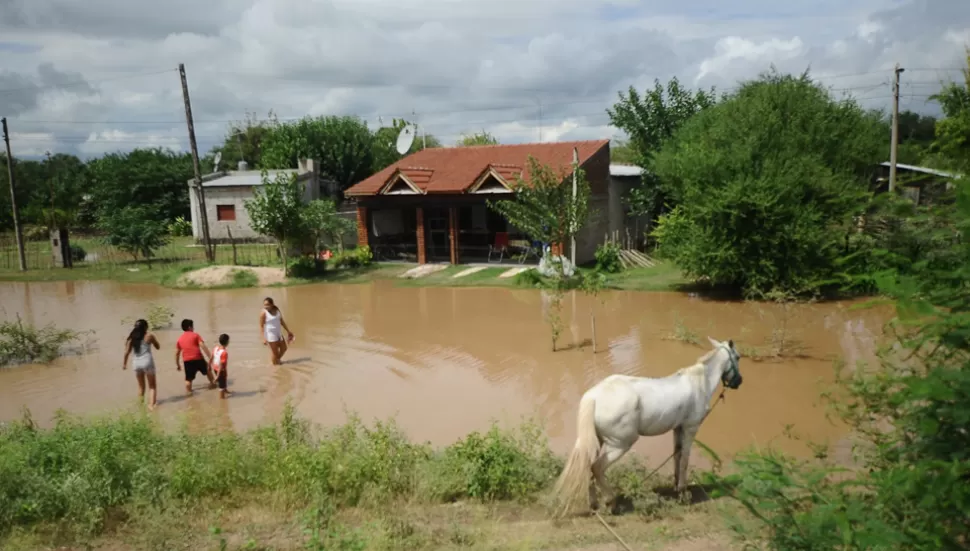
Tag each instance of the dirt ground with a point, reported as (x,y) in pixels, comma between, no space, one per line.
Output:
(214,276)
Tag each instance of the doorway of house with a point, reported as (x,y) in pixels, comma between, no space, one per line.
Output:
(437,241)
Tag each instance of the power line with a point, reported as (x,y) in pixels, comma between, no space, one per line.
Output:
(81,82)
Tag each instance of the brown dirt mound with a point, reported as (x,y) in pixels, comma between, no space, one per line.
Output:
(215,276)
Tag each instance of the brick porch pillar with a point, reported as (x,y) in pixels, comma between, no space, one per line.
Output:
(362,233)
(453,233)
(555,249)
(422,256)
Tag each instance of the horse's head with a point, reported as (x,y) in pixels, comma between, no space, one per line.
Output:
(730,364)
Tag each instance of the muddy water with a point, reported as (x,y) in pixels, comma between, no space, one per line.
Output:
(441,362)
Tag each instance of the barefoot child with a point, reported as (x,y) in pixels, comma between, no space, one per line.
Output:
(192,350)
(220,364)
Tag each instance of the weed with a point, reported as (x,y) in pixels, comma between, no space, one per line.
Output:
(608,258)
(158,316)
(26,343)
(244,278)
(683,333)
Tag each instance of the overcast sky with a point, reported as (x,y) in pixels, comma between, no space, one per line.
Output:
(91,76)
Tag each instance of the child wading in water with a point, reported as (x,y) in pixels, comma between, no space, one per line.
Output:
(220,364)
(191,348)
(139,343)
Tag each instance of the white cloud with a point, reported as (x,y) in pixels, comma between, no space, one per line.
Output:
(88,75)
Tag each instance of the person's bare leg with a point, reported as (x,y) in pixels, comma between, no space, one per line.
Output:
(212,380)
(140,375)
(283,349)
(274,350)
(152,391)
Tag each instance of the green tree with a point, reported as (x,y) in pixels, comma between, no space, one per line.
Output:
(767,183)
(650,120)
(321,221)
(156,178)
(342,145)
(276,211)
(244,141)
(56,196)
(478,138)
(385,144)
(136,230)
(953,131)
(26,175)
(621,152)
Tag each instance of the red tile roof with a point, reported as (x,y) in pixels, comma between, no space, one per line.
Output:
(455,169)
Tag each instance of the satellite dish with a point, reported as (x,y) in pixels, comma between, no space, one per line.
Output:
(405,139)
(215,162)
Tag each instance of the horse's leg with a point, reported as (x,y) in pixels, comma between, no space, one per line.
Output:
(610,454)
(686,441)
(678,451)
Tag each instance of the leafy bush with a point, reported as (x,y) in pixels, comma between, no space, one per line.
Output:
(157,315)
(243,278)
(529,278)
(608,258)
(78,254)
(25,343)
(353,258)
(79,472)
(133,230)
(180,227)
(766,184)
(306,267)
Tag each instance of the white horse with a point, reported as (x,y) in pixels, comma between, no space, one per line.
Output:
(620,409)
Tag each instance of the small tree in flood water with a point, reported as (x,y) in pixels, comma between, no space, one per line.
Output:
(276,211)
(592,284)
(547,210)
(25,343)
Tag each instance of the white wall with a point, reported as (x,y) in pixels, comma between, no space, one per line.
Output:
(236,196)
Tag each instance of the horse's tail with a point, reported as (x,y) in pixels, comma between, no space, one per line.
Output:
(573,483)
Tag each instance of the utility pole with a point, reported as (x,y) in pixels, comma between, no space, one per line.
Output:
(895,134)
(572,230)
(13,200)
(200,193)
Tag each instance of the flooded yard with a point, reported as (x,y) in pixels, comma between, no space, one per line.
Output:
(442,362)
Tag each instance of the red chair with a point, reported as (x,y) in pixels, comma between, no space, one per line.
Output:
(500,246)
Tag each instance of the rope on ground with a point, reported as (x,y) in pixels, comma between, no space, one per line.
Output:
(615,535)
(671,456)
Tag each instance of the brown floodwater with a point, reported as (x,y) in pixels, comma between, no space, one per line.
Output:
(441,362)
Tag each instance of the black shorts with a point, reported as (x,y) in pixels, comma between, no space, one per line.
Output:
(195,366)
(222,379)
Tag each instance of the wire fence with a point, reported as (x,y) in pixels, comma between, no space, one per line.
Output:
(92,250)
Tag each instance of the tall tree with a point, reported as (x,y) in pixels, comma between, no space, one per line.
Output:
(244,141)
(143,177)
(342,145)
(650,120)
(385,144)
(57,194)
(953,131)
(478,138)
(766,184)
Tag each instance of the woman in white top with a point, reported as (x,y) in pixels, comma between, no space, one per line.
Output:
(140,343)
(271,325)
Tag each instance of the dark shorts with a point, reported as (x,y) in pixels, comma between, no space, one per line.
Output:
(195,366)
(222,379)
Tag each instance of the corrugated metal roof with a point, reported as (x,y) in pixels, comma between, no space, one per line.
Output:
(625,170)
(924,170)
(248,178)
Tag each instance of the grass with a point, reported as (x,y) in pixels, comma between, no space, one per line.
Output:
(124,481)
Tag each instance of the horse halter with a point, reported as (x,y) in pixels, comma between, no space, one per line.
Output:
(731,378)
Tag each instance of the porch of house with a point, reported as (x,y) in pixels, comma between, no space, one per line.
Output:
(458,230)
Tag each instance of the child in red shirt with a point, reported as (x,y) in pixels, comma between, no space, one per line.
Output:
(192,350)
(220,365)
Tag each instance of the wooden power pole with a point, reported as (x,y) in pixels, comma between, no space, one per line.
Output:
(18,232)
(895,133)
(200,193)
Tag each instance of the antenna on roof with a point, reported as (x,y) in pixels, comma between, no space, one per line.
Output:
(215,162)
(405,139)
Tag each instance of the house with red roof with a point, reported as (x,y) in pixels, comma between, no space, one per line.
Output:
(431,205)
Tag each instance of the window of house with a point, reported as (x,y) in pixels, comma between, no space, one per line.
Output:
(225,213)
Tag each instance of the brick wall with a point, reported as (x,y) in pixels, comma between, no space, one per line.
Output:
(362,233)
(422,254)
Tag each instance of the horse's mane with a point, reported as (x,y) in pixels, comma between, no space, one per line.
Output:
(700,364)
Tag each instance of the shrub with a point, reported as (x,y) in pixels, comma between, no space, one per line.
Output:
(24,343)
(243,278)
(180,227)
(78,254)
(306,267)
(157,315)
(529,278)
(353,258)
(608,258)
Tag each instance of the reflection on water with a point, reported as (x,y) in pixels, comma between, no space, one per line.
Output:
(441,362)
